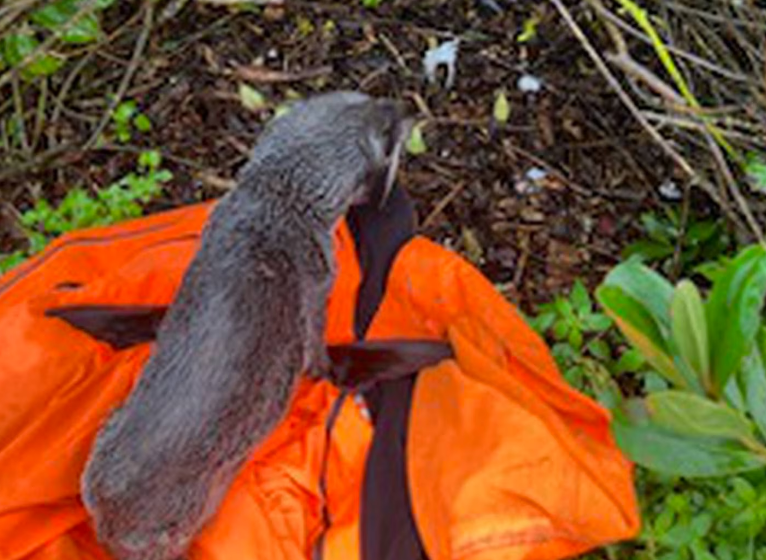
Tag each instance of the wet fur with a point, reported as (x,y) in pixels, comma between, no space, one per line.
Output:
(247,321)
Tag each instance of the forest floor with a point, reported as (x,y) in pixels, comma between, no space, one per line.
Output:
(550,195)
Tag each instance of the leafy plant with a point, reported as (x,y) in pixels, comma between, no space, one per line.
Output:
(700,244)
(127,117)
(79,209)
(585,344)
(71,21)
(711,353)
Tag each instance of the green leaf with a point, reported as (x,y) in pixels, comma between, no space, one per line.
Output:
(600,350)
(646,286)
(702,231)
(416,144)
(142,123)
(638,325)
(597,322)
(124,112)
(753,377)
(7,262)
(575,338)
(689,414)
(630,360)
(690,330)
(662,231)
(560,329)
(150,159)
(17,47)
(733,312)
(501,111)
(648,249)
(85,30)
(580,298)
(661,450)
(55,14)
(529,29)
(42,65)
(251,98)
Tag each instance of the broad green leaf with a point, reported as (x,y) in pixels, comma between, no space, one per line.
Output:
(734,312)
(753,375)
(732,394)
(689,414)
(647,287)
(501,111)
(638,325)
(690,331)
(661,450)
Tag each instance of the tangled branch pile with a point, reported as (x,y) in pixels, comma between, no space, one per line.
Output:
(694,74)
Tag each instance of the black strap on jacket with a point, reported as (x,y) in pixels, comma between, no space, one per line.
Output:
(384,372)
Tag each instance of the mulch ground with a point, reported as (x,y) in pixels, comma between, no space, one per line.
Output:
(551,195)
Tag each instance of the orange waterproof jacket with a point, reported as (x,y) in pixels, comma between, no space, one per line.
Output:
(485,455)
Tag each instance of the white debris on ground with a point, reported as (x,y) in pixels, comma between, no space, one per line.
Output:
(444,54)
(528,83)
(670,191)
(531,182)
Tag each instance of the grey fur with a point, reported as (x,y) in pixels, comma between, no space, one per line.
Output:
(248,319)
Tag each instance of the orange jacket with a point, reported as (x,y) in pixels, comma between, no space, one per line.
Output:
(489,454)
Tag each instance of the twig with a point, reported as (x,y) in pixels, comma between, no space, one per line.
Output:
(238,2)
(18,107)
(12,12)
(702,62)
(42,102)
(734,188)
(442,205)
(128,76)
(626,63)
(264,75)
(521,265)
(67,85)
(390,47)
(39,160)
